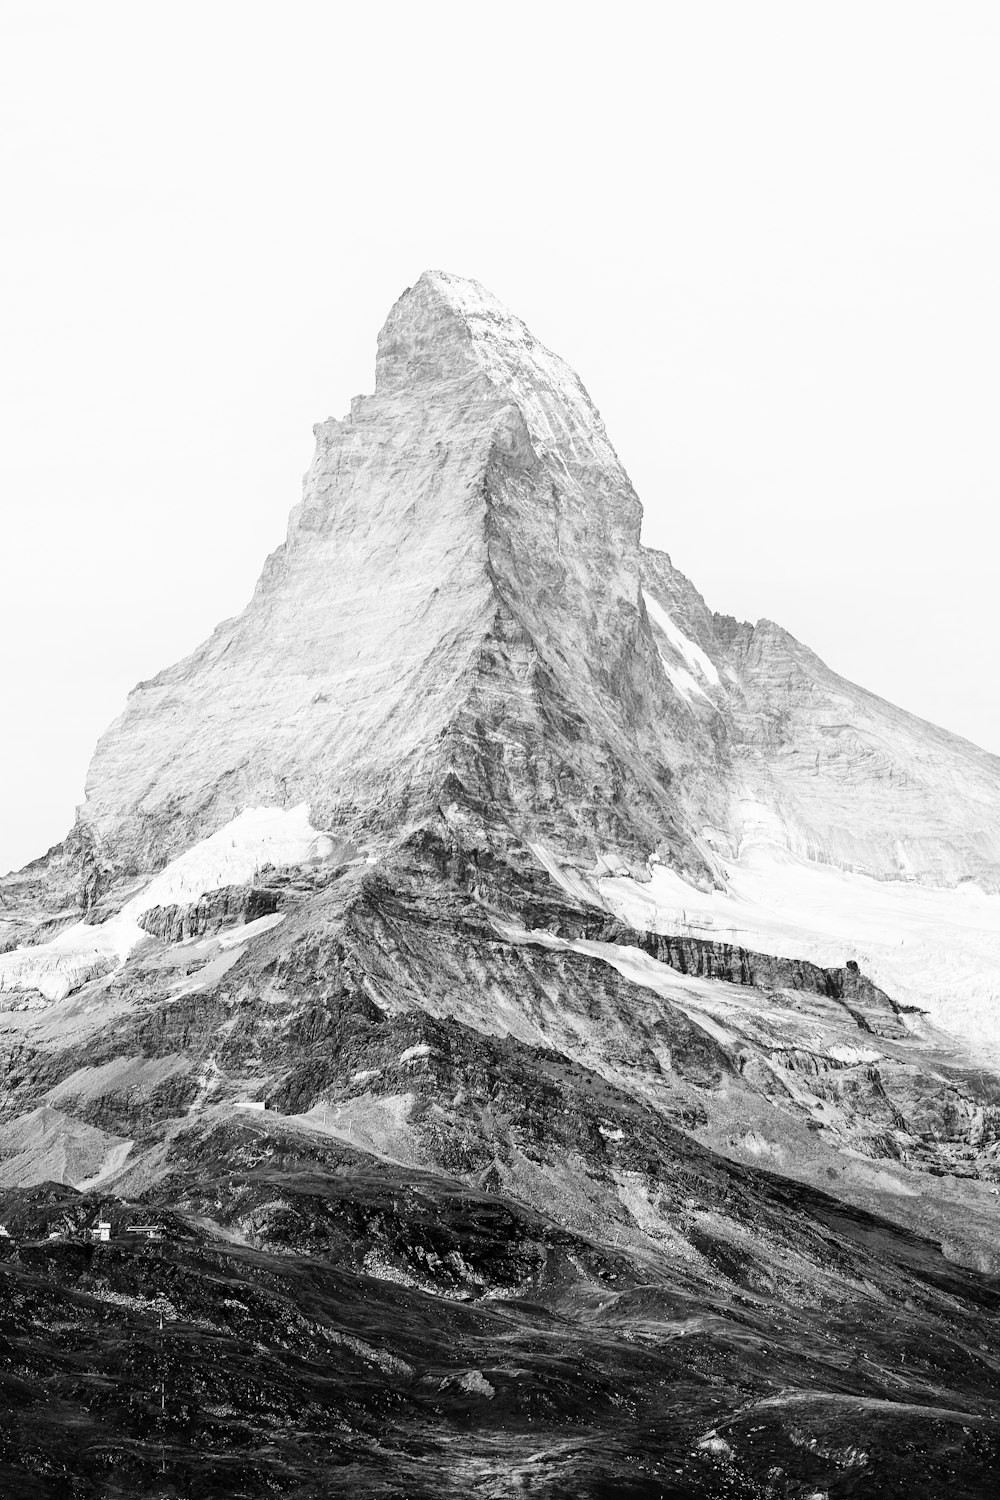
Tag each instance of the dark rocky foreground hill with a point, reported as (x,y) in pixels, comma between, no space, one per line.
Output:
(461,963)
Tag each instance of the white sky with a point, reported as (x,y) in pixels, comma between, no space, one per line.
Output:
(767,236)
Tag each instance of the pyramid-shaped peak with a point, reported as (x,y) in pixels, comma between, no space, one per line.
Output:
(440,297)
(449,327)
(468,524)
(470,298)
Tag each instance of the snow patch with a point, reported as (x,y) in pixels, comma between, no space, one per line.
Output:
(568,879)
(853,1054)
(682,681)
(760,1147)
(422,1050)
(934,948)
(250,930)
(234,855)
(685,990)
(697,659)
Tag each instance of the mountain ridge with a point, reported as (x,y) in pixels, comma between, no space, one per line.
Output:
(446,330)
(522,1003)
(463,618)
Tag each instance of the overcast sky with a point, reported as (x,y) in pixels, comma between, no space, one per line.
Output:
(767,236)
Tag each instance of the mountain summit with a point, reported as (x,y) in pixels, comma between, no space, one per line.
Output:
(463,625)
(467,548)
(466,553)
(474,916)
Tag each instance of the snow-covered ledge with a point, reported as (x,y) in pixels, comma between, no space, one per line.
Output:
(233,855)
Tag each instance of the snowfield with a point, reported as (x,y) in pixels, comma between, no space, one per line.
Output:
(934,948)
(234,855)
(681,679)
(925,946)
(697,659)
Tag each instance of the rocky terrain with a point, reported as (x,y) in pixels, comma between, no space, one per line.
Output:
(552,1029)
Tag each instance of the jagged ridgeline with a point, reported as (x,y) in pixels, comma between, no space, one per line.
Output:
(522,1031)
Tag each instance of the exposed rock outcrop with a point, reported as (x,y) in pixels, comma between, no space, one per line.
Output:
(210,913)
(465,556)
(561,950)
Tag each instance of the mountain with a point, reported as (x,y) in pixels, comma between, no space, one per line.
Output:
(620,983)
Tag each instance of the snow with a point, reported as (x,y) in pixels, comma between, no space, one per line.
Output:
(421,1050)
(690,991)
(643,969)
(696,658)
(70,959)
(852,1055)
(683,681)
(935,948)
(234,855)
(574,884)
(249,930)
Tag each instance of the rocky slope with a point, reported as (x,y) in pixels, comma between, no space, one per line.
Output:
(554,1025)
(465,557)
(462,618)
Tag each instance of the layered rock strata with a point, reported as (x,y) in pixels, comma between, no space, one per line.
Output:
(478,917)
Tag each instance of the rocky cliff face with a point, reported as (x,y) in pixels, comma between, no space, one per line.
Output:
(479,918)
(851,780)
(465,559)
(462,616)
(861,784)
